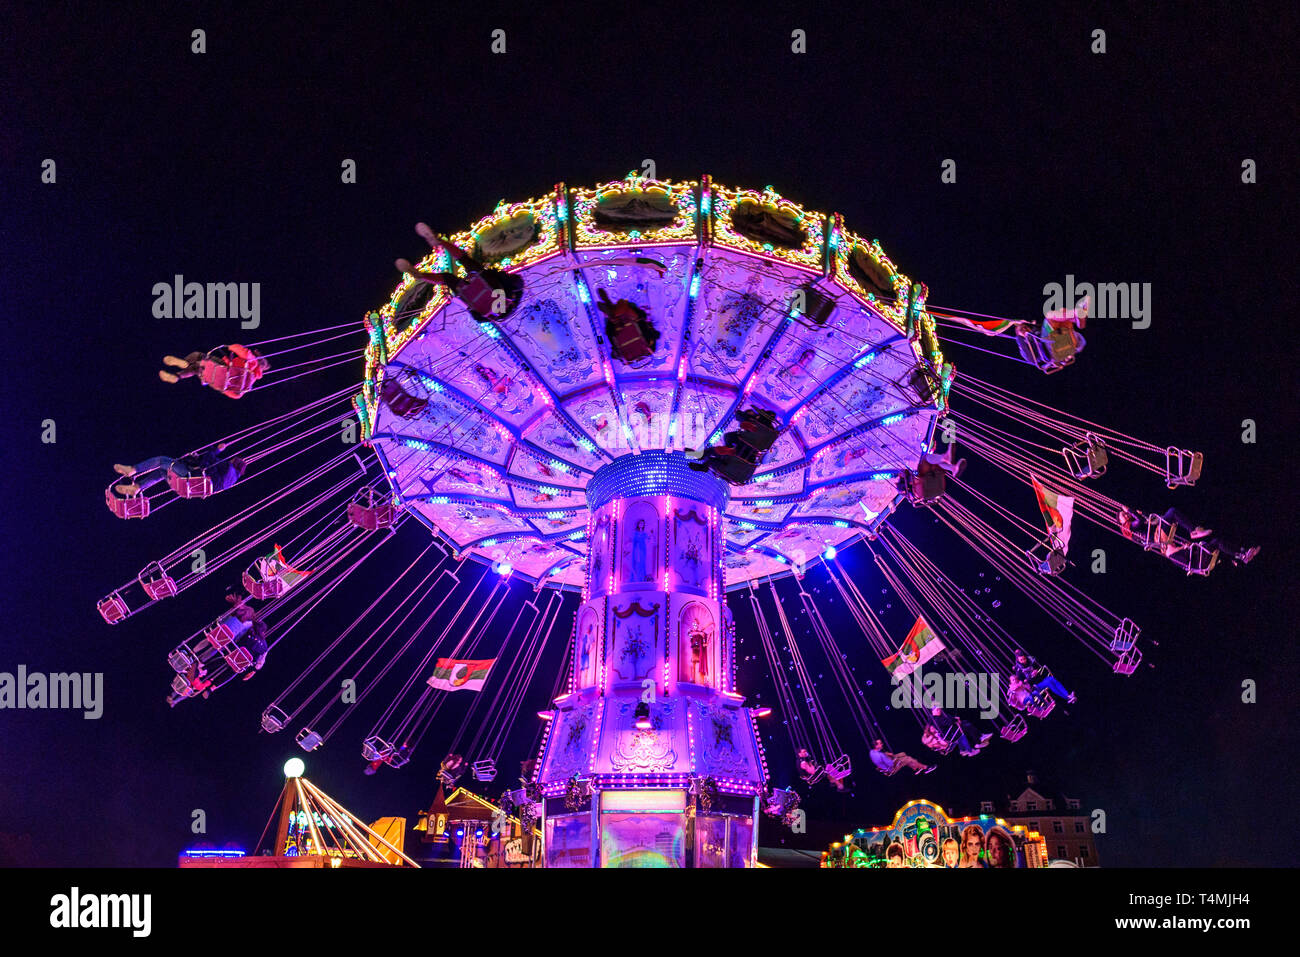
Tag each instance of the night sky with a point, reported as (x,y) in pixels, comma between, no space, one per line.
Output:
(1122,167)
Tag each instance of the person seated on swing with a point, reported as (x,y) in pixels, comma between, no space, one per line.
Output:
(478,288)
(1021,695)
(1039,676)
(1054,563)
(930,479)
(256,646)
(234,357)
(452,767)
(889,762)
(945,725)
(808,768)
(758,428)
(725,461)
(1183,527)
(631,334)
(1132,523)
(222,471)
(197,680)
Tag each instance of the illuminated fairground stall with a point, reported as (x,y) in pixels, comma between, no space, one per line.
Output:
(922,835)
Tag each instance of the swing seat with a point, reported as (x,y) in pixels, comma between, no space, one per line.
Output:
(923,489)
(815,776)
(1041,705)
(1126,636)
(1196,559)
(1015,729)
(309,740)
(221,634)
(157,584)
(1182,466)
(839,769)
(1128,662)
(484,770)
(817,305)
(479,296)
(239,659)
(1048,357)
(1086,459)
(274,719)
(113,608)
(181,688)
(273,587)
(130,506)
(372,517)
(942,743)
(376,749)
(925,385)
(231,380)
(181,659)
(890,771)
(189,486)
(626,326)
(1046,557)
(398,758)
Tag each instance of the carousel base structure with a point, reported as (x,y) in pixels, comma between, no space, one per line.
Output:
(652,759)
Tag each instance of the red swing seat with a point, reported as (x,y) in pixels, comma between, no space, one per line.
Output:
(230,380)
(372,517)
(189,486)
(131,506)
(113,608)
(158,584)
(239,659)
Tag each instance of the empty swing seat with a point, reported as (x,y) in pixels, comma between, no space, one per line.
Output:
(113,608)
(189,486)
(274,719)
(180,687)
(309,740)
(181,659)
(157,584)
(839,769)
(1128,662)
(1088,458)
(130,506)
(1182,466)
(239,659)
(484,770)
(372,517)
(1126,636)
(1015,729)
(222,634)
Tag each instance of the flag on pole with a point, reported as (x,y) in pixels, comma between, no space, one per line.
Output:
(989,327)
(1058,512)
(920,645)
(456,674)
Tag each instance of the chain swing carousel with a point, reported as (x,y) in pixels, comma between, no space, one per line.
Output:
(639,399)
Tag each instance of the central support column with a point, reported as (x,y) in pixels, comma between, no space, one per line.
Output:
(651,759)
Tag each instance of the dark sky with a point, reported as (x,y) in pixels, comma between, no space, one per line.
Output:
(1121,167)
